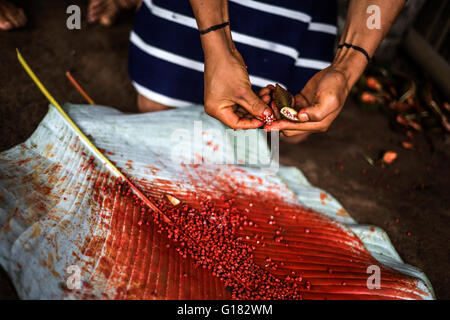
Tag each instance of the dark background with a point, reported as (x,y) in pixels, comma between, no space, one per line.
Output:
(414,190)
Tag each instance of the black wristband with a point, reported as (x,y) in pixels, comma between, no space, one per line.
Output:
(214,28)
(348,45)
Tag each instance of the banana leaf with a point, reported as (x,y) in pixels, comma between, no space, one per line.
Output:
(58,228)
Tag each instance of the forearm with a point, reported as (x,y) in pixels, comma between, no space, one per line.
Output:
(209,13)
(357,32)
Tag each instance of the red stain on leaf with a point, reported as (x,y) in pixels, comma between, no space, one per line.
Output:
(323,196)
(144,258)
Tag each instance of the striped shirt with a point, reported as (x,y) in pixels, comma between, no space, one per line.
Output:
(281,41)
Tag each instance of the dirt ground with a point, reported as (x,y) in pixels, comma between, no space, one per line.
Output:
(414,190)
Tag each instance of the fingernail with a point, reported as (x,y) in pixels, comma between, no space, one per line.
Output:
(268,112)
(303,117)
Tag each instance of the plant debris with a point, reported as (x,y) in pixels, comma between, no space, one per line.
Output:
(172,200)
(410,105)
(389,157)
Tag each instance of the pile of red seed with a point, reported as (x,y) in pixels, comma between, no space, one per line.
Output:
(208,235)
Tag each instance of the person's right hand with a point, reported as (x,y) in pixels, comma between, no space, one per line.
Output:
(227,86)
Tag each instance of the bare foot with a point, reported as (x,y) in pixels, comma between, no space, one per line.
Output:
(106,11)
(146,105)
(11,17)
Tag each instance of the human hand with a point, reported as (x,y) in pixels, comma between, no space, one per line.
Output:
(318,104)
(227,88)
(322,98)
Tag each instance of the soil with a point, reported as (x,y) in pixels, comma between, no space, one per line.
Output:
(414,190)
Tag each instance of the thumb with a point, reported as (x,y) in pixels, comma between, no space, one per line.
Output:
(327,103)
(302,105)
(254,105)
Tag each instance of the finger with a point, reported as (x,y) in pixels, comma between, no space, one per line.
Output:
(289,125)
(228,117)
(276,111)
(266,98)
(291,133)
(266,90)
(255,105)
(321,126)
(327,104)
(301,102)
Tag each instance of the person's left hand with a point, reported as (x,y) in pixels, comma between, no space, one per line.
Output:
(319,103)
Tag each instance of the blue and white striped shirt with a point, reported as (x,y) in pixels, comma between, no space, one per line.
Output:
(281,41)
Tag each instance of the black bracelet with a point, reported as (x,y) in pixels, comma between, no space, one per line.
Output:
(348,46)
(214,28)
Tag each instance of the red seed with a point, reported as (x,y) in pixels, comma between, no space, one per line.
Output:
(208,236)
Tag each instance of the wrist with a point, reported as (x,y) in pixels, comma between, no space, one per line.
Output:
(351,63)
(217,44)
